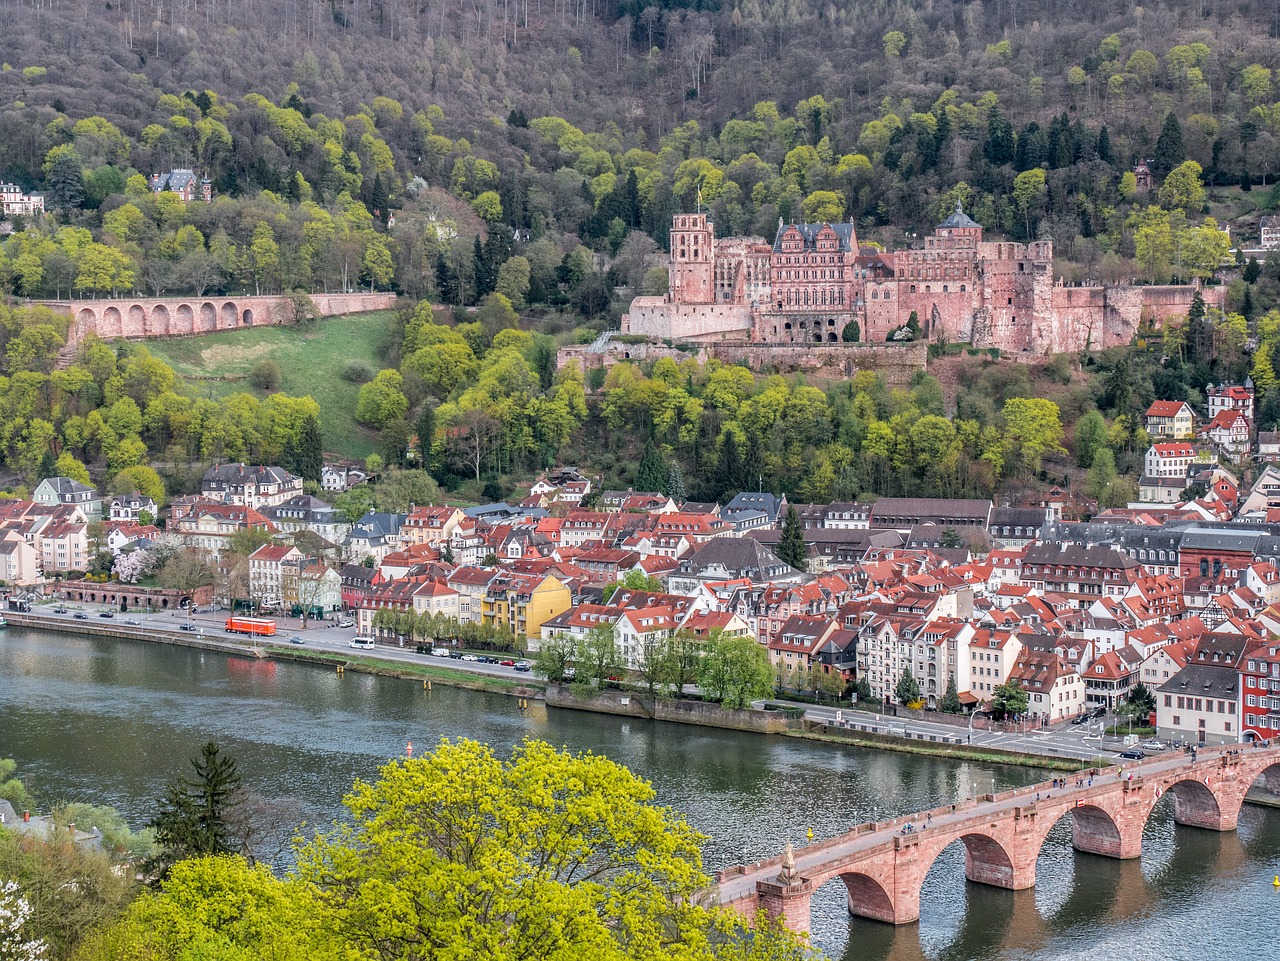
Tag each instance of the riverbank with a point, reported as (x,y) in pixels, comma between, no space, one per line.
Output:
(625,703)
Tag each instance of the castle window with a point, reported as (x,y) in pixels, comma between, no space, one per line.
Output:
(913,290)
(962,288)
(944,288)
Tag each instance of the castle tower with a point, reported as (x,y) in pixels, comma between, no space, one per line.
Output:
(692,259)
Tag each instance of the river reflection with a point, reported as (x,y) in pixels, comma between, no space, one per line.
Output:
(109,721)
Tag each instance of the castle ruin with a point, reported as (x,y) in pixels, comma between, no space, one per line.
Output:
(815,280)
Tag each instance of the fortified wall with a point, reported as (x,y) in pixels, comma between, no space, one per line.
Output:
(136,318)
(896,363)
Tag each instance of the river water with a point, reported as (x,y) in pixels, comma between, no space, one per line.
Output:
(108,722)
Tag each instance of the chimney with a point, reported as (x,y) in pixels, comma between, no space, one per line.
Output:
(26,817)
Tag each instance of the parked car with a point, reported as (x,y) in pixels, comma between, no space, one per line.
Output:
(1153,745)
(507,663)
(524,666)
(570,673)
(1099,711)
(468,657)
(1132,753)
(80,616)
(440,652)
(345,622)
(486,659)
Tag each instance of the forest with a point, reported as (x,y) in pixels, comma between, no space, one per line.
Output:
(512,169)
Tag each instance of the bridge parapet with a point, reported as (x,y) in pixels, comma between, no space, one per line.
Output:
(883,864)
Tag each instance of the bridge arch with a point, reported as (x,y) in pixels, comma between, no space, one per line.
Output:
(1195,805)
(136,319)
(158,321)
(112,323)
(1095,831)
(868,897)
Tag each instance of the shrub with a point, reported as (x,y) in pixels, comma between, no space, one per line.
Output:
(357,372)
(265,375)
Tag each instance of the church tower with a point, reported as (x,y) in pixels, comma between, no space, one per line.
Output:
(692,259)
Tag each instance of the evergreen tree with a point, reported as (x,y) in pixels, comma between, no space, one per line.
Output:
(64,181)
(378,198)
(1103,146)
(652,472)
(446,282)
(486,271)
(674,486)
(1252,271)
(791,548)
(193,816)
(48,465)
(310,451)
(852,332)
(951,700)
(753,463)
(998,148)
(1170,151)
(908,689)
(729,473)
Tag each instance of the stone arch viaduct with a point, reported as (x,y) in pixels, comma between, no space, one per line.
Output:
(883,868)
(137,318)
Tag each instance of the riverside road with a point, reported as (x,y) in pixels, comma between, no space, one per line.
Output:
(1083,742)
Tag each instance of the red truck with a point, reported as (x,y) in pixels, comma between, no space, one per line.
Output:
(251,625)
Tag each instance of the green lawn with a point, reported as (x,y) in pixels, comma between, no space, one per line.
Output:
(311,361)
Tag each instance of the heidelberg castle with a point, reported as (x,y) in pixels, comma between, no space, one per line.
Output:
(814,280)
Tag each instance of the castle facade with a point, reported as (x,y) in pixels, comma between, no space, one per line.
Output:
(815,280)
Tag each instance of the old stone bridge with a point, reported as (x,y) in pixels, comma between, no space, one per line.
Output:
(883,866)
(136,318)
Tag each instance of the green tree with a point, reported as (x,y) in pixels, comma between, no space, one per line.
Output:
(63,178)
(735,671)
(513,280)
(397,489)
(1009,700)
(1101,480)
(596,656)
(673,487)
(264,258)
(1170,150)
(310,450)
(194,815)
(950,703)
(907,690)
(382,400)
(1182,188)
(11,788)
(141,478)
(221,908)
(1091,434)
(1141,701)
(652,471)
(791,548)
(1030,193)
(1033,428)
(543,855)
(553,657)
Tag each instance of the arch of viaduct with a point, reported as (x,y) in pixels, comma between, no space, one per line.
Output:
(137,318)
(883,868)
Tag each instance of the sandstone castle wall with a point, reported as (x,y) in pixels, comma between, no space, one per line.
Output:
(813,282)
(138,318)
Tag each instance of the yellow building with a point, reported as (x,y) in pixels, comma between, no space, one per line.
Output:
(523,602)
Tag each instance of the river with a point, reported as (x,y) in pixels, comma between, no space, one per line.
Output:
(108,722)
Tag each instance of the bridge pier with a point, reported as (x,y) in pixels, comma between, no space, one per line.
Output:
(788,901)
